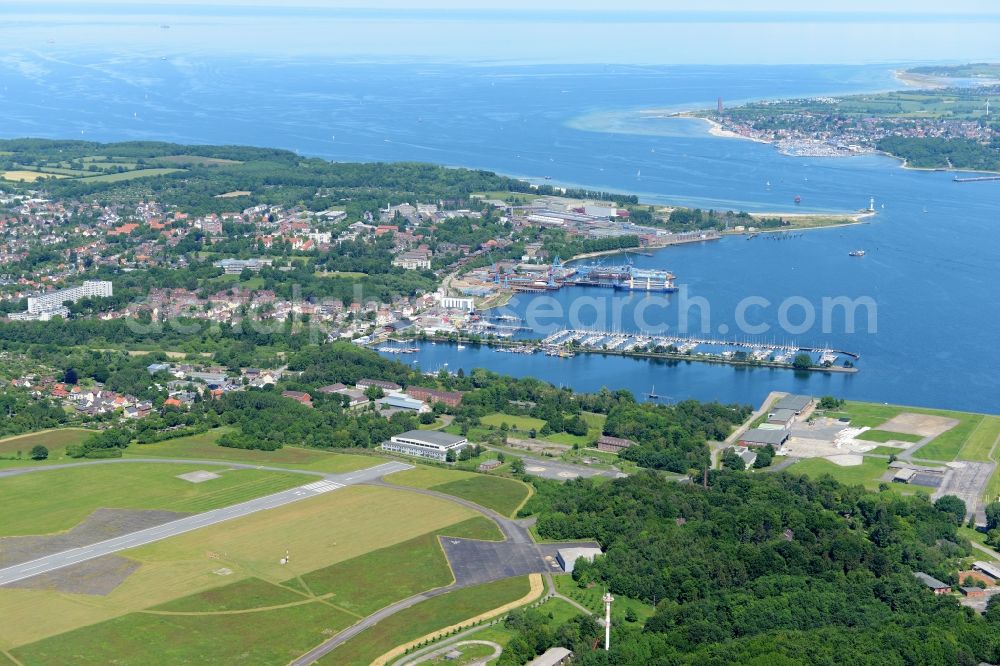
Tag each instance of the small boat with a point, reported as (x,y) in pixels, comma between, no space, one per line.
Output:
(653,395)
(461,347)
(856,253)
(798,199)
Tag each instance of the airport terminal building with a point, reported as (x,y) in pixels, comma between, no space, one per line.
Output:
(431,444)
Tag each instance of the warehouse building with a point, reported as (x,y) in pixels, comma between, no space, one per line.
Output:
(762,437)
(431,444)
(796,403)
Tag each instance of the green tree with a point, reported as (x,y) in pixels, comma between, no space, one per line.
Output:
(803,361)
(517,466)
(39,452)
(449,456)
(730,460)
(953,506)
(992,515)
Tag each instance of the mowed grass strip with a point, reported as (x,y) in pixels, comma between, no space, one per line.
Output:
(493,492)
(317,532)
(947,445)
(867,474)
(480,528)
(523,423)
(365,584)
(502,495)
(204,446)
(55,500)
(883,436)
(980,443)
(241,595)
(424,618)
(267,637)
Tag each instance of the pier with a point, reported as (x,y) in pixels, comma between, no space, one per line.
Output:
(976,179)
(567,343)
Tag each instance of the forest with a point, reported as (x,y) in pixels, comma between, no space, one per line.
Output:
(271,176)
(938,153)
(770,569)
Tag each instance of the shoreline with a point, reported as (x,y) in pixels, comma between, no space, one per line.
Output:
(717,360)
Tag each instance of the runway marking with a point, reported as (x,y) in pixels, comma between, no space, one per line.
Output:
(180,526)
(323,486)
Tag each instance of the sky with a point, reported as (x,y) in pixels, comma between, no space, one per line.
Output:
(514,31)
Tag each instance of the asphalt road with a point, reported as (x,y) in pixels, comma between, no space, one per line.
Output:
(328,483)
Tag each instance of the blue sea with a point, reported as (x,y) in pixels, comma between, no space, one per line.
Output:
(930,251)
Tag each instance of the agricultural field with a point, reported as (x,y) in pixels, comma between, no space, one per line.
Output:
(203,446)
(191,160)
(128,175)
(500,494)
(221,591)
(424,618)
(25,176)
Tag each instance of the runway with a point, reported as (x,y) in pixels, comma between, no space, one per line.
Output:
(329,483)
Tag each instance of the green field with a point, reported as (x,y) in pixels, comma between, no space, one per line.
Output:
(866,474)
(883,436)
(982,440)
(228,568)
(945,447)
(424,618)
(590,597)
(55,441)
(359,585)
(128,175)
(191,160)
(560,610)
(521,426)
(56,500)
(203,446)
(522,423)
(263,637)
(242,595)
(502,495)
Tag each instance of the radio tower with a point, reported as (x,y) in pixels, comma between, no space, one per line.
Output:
(607,620)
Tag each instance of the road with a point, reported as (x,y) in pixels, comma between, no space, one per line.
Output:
(328,483)
(513,532)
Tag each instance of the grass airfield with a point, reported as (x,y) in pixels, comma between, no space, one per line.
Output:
(221,593)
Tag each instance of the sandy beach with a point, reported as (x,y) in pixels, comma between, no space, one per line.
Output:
(924,81)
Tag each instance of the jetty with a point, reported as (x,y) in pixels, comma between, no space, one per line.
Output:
(976,179)
(567,343)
